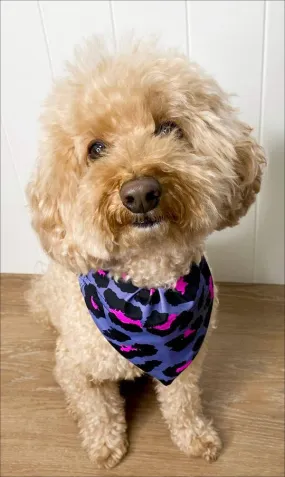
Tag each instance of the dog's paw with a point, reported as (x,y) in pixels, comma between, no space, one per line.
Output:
(108,454)
(206,444)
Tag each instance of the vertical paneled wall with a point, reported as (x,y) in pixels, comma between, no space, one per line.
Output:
(240,43)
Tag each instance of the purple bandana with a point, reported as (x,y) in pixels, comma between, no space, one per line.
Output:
(160,330)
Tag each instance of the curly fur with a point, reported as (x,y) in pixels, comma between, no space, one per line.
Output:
(209,175)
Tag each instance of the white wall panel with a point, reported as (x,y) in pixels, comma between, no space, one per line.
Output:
(269,251)
(20,251)
(227,40)
(25,80)
(225,37)
(66,23)
(167,19)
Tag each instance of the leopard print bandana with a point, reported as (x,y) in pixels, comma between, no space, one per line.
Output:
(160,330)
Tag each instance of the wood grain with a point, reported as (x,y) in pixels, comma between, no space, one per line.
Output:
(242,382)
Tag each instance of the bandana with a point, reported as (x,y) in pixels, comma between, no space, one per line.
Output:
(160,330)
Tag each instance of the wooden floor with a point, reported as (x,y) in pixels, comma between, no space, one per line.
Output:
(243,391)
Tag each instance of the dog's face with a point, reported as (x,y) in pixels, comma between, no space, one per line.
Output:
(139,149)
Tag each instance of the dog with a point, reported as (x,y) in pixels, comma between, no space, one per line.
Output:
(142,157)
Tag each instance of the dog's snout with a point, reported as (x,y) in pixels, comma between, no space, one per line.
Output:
(141,195)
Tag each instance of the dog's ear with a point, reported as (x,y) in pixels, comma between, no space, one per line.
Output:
(51,193)
(216,132)
(248,163)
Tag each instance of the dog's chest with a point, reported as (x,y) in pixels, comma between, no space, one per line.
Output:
(96,356)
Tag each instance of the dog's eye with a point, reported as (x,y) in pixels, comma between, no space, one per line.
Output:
(96,149)
(166,128)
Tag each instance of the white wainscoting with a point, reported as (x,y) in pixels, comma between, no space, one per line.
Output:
(241,43)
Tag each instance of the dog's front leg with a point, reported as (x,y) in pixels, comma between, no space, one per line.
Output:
(181,407)
(98,408)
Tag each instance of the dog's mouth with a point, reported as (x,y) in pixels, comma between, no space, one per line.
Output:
(146,222)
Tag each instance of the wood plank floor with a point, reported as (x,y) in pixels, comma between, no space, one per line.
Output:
(243,391)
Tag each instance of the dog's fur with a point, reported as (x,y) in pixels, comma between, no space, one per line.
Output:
(210,173)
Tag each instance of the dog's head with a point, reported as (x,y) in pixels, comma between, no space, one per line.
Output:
(138,148)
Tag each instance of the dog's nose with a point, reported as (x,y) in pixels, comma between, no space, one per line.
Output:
(141,195)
